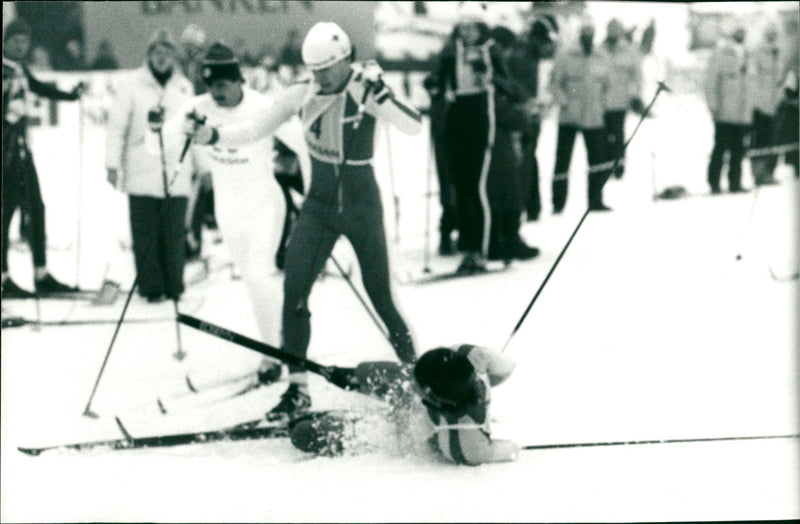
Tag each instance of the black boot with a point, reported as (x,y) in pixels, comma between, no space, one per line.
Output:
(293,402)
(12,290)
(49,285)
(446,245)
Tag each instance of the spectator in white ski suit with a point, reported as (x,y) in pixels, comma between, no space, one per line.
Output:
(765,91)
(249,204)
(134,165)
(579,83)
(624,89)
(726,89)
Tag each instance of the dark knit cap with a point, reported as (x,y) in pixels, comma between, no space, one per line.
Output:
(17,26)
(220,63)
(445,375)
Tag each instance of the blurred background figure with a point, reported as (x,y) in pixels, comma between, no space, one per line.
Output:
(505,181)
(466,73)
(20,180)
(290,52)
(40,59)
(105,58)
(190,55)
(787,128)
(448,223)
(624,88)
(580,84)
(766,61)
(524,65)
(726,90)
(71,56)
(142,163)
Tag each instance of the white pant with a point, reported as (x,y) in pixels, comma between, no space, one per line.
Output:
(250,217)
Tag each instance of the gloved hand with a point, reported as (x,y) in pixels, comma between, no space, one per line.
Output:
(193,128)
(112,175)
(78,90)
(155,118)
(637,106)
(345,378)
(373,78)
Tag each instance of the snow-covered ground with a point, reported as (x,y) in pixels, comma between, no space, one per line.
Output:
(649,329)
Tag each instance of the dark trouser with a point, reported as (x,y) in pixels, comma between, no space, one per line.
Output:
(287,181)
(447,190)
(787,130)
(597,152)
(21,191)
(310,244)
(530,172)
(615,131)
(763,165)
(158,244)
(467,136)
(727,137)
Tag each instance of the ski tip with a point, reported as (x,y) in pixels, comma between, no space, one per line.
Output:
(190,385)
(161,407)
(33,452)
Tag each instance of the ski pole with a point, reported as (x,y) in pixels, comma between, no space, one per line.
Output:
(395,197)
(87,410)
(661,87)
(80,193)
(426,254)
(360,298)
(747,224)
(336,375)
(179,353)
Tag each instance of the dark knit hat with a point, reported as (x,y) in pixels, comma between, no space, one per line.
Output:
(445,376)
(220,64)
(17,26)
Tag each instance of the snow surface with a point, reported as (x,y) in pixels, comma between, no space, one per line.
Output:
(648,329)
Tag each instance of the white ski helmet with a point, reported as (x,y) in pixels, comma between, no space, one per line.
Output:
(325,44)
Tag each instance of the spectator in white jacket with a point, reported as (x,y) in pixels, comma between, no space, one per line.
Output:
(142,163)
(726,90)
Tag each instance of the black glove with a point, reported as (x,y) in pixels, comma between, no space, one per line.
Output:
(637,106)
(78,90)
(155,118)
(345,378)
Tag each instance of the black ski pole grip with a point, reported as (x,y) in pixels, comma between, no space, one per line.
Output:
(255,345)
(200,120)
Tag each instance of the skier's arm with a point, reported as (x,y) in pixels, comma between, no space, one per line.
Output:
(291,134)
(264,124)
(50,91)
(117,130)
(495,364)
(383,103)
(711,85)
(479,449)
(557,81)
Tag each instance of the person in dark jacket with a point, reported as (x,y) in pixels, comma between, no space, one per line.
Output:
(466,72)
(524,59)
(505,181)
(447,191)
(20,180)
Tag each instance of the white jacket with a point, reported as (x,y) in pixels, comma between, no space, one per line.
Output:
(132,148)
